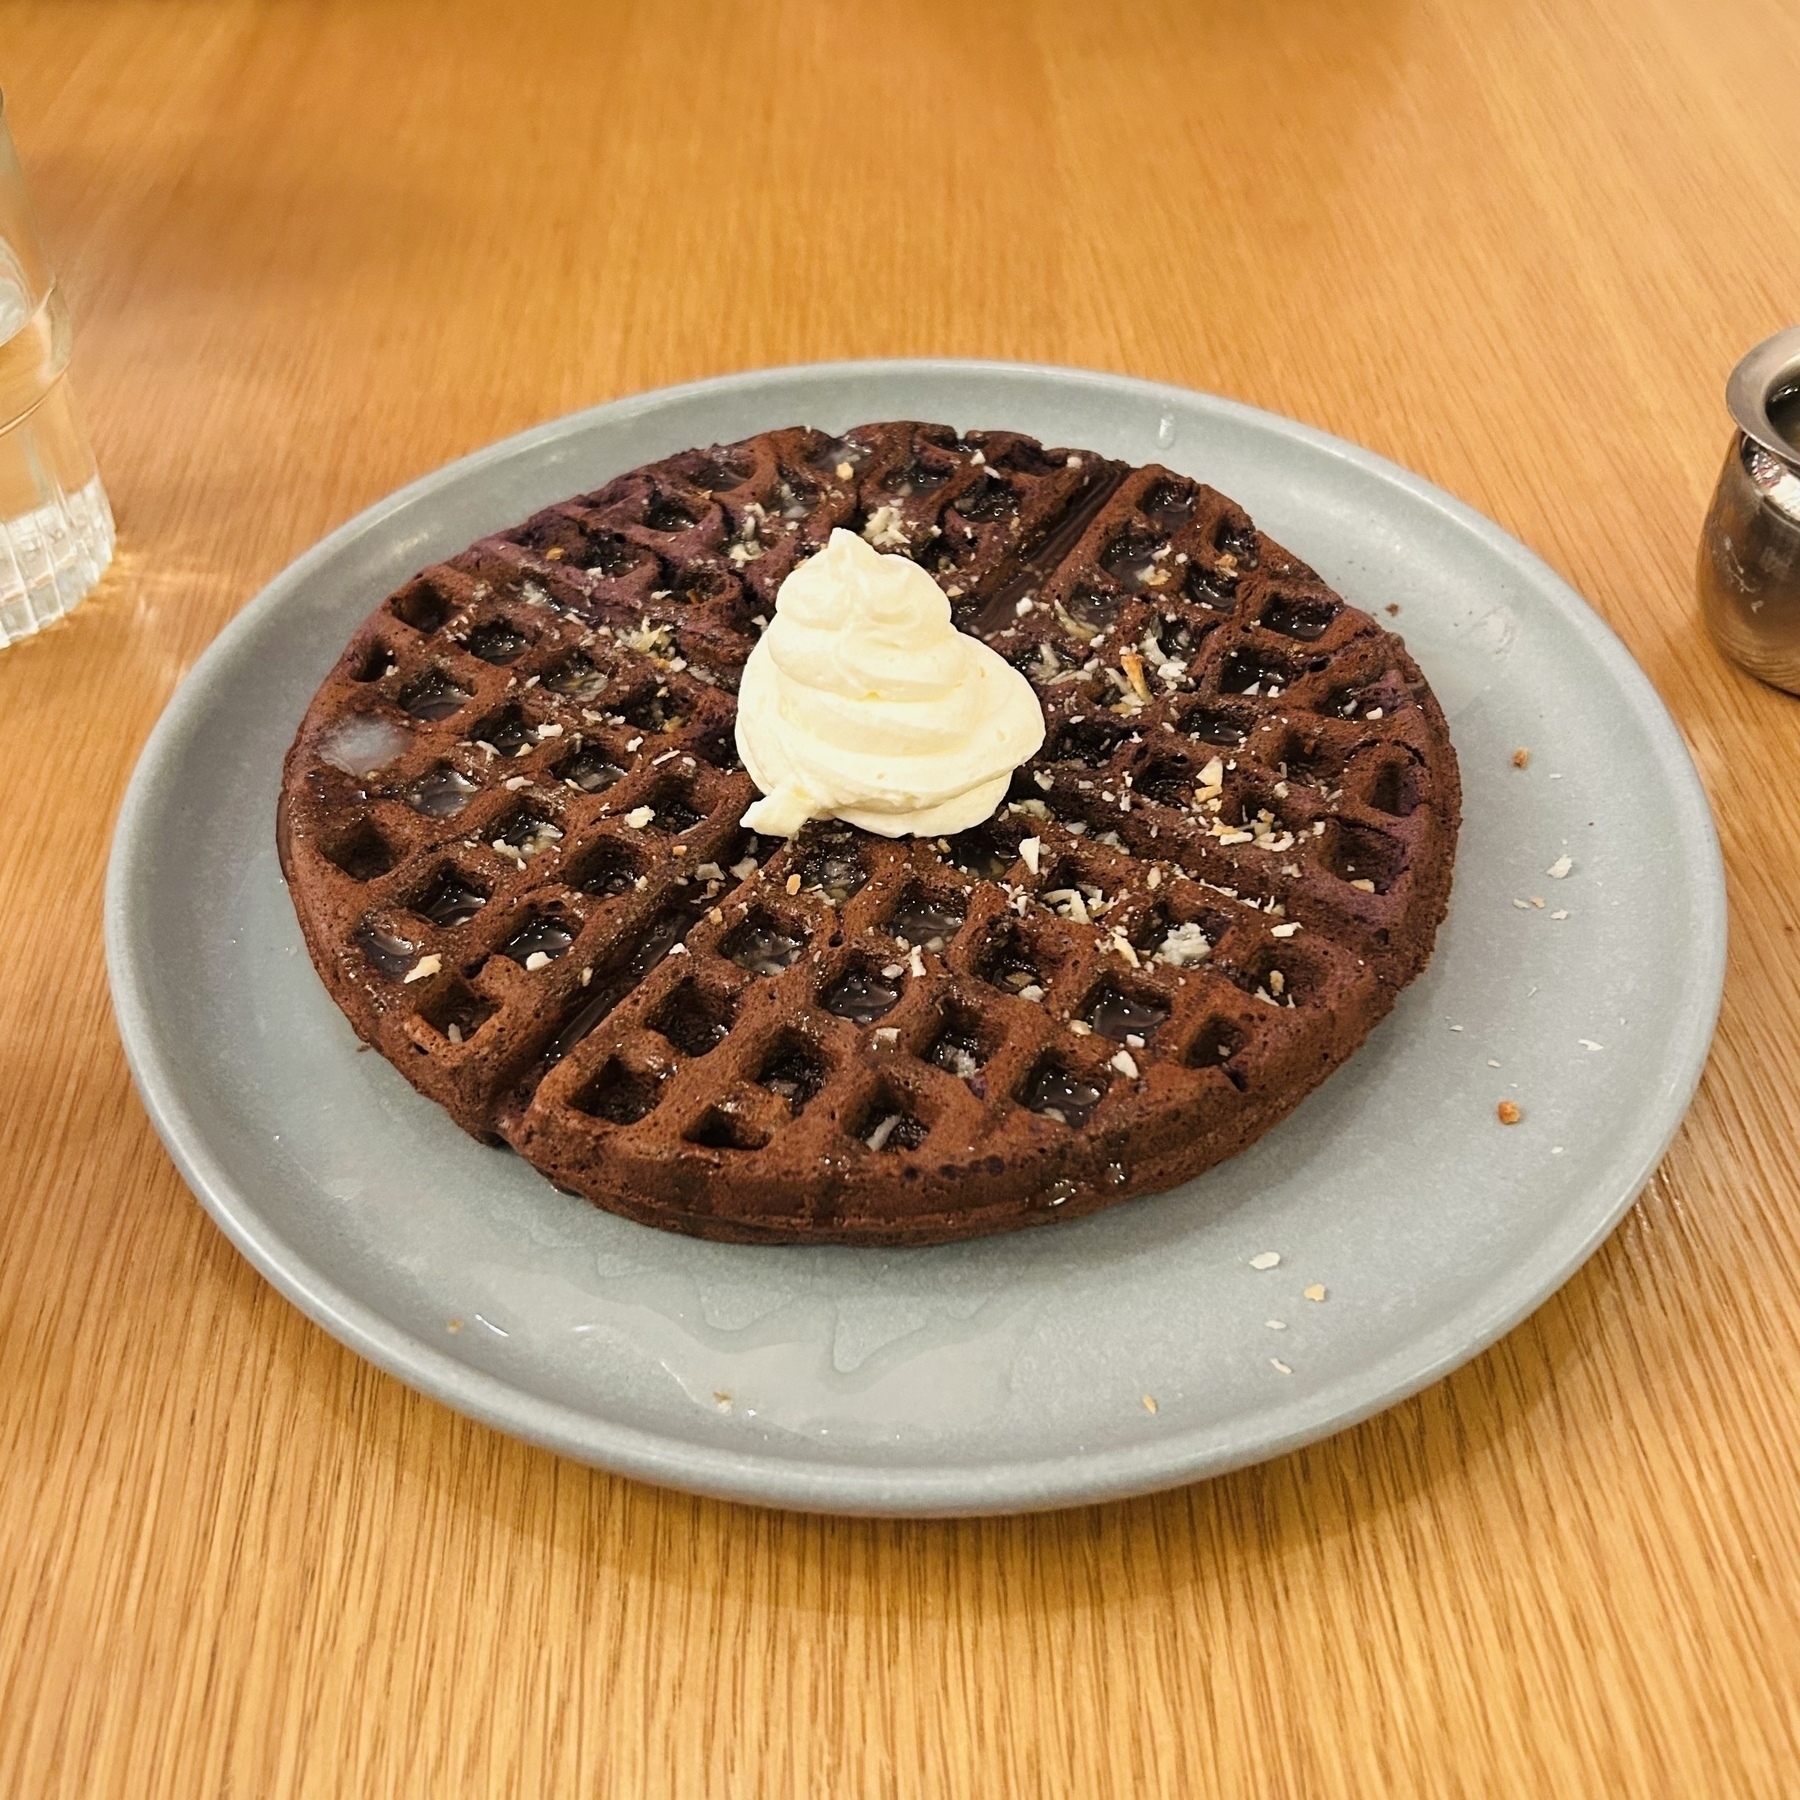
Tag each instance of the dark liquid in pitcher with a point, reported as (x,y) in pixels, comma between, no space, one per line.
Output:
(1784,415)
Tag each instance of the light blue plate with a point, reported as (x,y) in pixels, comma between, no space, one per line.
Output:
(1075,1363)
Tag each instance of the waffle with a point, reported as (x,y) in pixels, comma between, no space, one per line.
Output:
(509,824)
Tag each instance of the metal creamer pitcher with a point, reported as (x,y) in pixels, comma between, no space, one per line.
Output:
(1749,569)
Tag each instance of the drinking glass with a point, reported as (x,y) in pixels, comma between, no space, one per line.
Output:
(56,529)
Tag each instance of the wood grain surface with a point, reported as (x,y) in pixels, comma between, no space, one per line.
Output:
(316,250)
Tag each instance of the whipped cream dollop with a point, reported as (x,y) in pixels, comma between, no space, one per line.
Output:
(863,702)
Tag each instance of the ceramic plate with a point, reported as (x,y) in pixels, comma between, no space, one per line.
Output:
(1078,1362)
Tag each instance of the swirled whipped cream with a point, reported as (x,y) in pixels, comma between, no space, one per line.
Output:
(862,702)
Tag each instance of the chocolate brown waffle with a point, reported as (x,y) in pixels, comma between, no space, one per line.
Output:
(509,823)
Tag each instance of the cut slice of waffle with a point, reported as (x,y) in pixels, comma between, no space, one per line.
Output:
(510,827)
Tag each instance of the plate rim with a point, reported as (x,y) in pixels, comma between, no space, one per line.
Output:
(899,1489)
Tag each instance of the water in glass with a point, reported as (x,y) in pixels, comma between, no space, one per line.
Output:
(56,530)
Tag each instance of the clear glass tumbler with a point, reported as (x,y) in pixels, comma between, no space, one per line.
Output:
(56,529)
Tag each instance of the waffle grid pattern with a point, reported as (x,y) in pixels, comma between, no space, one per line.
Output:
(510,825)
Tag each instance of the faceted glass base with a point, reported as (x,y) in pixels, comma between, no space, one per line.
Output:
(50,559)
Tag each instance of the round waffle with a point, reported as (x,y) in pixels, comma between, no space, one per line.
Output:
(509,824)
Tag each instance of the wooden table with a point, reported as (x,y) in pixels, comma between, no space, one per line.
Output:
(315,250)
